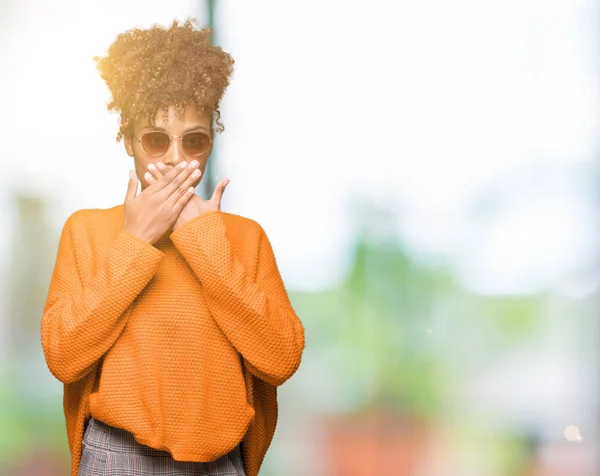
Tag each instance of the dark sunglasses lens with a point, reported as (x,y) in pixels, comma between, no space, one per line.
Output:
(155,143)
(195,143)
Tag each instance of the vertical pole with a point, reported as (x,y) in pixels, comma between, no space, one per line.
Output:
(208,181)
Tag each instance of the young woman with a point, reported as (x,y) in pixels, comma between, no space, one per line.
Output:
(167,320)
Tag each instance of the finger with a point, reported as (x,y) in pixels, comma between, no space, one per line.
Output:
(149,178)
(219,189)
(161,167)
(132,186)
(154,172)
(186,185)
(184,172)
(183,199)
(166,180)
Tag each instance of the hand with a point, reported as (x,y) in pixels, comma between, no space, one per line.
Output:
(197,205)
(154,211)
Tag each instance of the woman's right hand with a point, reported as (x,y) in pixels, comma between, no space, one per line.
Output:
(152,212)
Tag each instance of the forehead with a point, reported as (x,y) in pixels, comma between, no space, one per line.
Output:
(176,121)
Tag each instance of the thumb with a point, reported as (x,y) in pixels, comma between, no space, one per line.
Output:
(219,189)
(132,186)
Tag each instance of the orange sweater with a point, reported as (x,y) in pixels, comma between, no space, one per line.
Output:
(183,343)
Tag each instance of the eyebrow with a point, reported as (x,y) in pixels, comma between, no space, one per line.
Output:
(162,129)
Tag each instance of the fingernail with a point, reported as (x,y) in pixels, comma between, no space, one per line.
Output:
(151,166)
(183,164)
(194,163)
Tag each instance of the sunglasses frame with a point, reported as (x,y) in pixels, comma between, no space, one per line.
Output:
(139,139)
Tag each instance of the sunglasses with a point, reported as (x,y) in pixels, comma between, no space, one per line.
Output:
(194,144)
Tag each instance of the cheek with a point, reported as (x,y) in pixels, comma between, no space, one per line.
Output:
(203,165)
(142,159)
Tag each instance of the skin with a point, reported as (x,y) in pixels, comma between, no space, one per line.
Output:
(169,176)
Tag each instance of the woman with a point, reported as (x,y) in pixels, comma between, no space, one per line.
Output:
(167,319)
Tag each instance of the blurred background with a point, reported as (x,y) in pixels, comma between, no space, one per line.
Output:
(427,173)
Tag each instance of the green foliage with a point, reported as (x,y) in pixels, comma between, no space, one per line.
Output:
(395,319)
(380,316)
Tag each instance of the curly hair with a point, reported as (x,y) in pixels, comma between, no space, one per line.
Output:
(148,70)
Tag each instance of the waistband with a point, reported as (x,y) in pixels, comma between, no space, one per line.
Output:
(100,435)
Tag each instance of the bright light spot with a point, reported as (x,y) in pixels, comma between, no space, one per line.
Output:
(572,433)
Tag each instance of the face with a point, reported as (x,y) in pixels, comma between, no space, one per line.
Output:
(173,126)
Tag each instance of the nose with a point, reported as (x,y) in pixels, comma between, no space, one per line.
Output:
(174,153)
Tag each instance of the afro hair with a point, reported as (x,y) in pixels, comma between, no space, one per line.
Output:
(147,70)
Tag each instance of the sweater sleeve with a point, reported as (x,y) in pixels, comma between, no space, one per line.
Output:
(254,312)
(84,312)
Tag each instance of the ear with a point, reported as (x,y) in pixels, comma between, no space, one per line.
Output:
(128,141)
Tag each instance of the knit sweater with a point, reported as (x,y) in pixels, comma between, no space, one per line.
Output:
(182,343)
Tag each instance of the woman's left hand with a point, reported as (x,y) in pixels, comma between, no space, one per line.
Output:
(196,205)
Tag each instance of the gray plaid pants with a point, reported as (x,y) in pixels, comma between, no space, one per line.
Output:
(110,451)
